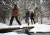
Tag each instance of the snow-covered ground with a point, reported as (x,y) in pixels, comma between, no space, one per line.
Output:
(44,20)
(40,28)
(14,24)
(37,27)
(11,33)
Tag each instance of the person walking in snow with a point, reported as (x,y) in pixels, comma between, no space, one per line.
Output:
(32,17)
(15,14)
(27,16)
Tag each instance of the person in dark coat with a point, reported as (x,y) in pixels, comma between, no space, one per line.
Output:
(32,17)
(27,16)
(15,14)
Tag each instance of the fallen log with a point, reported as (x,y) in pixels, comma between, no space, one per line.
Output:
(4,30)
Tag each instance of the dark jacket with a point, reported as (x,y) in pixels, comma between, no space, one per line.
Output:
(28,14)
(15,12)
(32,15)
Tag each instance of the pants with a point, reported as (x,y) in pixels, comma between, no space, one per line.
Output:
(32,19)
(16,20)
(27,20)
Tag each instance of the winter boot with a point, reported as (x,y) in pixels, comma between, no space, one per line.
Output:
(28,24)
(10,24)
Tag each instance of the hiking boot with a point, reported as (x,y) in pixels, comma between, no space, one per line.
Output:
(28,24)
(10,24)
(20,24)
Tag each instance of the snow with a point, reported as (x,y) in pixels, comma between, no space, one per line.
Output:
(11,33)
(14,24)
(37,27)
(40,28)
(6,26)
(44,20)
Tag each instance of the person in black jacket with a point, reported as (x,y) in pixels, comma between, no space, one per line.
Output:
(32,17)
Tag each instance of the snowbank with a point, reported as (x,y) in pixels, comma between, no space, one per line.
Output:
(37,27)
(15,24)
(11,33)
(40,28)
(6,26)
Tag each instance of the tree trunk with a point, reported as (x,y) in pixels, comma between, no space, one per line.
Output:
(41,19)
(35,16)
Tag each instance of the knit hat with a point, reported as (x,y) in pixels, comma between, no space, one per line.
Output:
(31,11)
